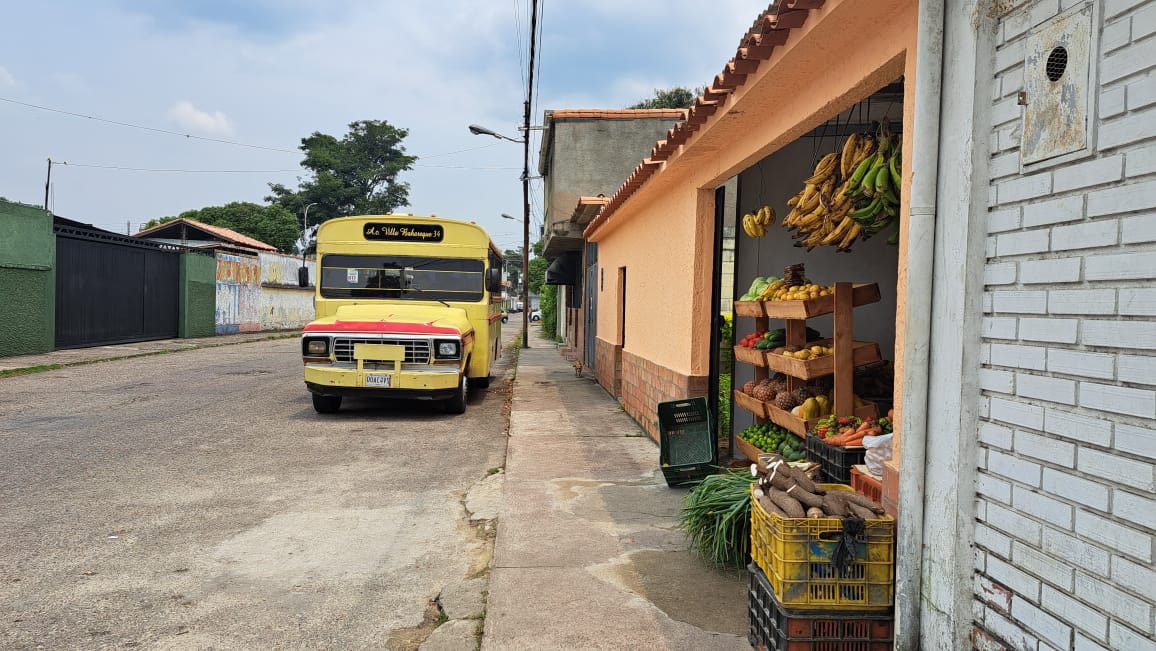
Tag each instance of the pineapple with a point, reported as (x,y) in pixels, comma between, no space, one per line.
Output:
(786,400)
(749,387)
(763,392)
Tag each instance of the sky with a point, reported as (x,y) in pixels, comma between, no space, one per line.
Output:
(224,91)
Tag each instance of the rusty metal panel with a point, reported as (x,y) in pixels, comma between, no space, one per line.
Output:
(1057,76)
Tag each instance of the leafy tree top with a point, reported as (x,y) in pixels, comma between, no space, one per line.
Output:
(677,97)
(354,175)
(272,225)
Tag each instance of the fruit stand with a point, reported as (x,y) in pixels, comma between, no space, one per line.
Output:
(800,361)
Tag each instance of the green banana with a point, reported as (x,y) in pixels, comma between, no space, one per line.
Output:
(895,167)
(867,187)
(882,181)
(857,177)
(894,239)
(868,211)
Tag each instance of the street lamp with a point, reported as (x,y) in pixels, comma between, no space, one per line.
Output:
(478,130)
(525,142)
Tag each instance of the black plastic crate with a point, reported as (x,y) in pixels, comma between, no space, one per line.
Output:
(687,446)
(834,461)
(775,628)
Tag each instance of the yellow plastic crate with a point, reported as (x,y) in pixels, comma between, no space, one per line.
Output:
(796,556)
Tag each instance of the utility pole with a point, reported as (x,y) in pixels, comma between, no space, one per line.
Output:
(526,183)
(48,182)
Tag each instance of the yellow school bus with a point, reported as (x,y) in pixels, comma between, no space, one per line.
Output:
(407,307)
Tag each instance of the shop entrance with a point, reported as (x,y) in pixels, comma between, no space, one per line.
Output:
(838,238)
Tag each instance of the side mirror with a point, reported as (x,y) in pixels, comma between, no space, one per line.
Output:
(494,280)
(303,277)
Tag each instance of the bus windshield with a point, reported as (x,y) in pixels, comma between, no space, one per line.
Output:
(400,277)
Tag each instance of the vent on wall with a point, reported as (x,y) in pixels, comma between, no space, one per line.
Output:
(1057,83)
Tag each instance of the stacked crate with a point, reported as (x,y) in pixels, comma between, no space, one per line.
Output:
(800,600)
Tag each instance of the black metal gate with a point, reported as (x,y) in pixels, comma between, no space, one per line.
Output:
(590,327)
(113,289)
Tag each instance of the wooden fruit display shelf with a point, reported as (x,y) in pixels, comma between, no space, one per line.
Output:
(747,448)
(786,419)
(756,407)
(861,294)
(752,356)
(863,352)
(800,427)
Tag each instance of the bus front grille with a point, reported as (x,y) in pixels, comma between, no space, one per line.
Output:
(417,351)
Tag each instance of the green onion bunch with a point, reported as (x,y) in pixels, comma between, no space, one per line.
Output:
(716,516)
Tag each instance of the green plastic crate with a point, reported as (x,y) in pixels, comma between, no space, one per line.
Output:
(686,441)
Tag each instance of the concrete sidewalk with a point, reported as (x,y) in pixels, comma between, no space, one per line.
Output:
(136,349)
(588,554)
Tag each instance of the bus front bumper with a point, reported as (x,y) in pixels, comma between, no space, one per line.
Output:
(441,382)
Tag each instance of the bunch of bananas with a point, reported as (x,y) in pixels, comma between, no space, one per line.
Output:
(771,289)
(755,224)
(852,194)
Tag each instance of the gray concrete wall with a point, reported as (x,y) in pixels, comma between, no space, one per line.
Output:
(592,156)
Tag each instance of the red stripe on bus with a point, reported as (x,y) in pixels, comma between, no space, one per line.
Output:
(382,326)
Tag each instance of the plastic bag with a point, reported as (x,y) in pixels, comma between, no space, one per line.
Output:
(878,451)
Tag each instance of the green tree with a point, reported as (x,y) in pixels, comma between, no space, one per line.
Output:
(512,258)
(677,97)
(548,303)
(354,175)
(272,225)
(537,276)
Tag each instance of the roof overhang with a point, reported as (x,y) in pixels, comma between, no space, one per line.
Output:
(587,209)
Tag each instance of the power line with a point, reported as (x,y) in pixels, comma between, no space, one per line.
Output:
(172,170)
(123,168)
(204,138)
(154,129)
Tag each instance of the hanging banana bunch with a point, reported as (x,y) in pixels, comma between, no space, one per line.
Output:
(755,224)
(851,195)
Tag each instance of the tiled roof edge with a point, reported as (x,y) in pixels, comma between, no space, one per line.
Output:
(619,114)
(770,30)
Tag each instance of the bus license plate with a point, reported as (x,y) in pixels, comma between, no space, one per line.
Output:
(377,380)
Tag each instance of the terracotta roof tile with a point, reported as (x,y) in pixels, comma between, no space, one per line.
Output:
(617,114)
(770,29)
(220,231)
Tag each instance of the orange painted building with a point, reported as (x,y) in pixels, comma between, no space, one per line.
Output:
(656,236)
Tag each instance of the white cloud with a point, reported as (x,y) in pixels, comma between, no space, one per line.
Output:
(6,78)
(187,116)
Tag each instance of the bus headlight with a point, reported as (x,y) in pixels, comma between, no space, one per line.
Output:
(448,349)
(315,347)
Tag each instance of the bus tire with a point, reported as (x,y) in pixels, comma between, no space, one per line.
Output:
(480,382)
(457,404)
(326,404)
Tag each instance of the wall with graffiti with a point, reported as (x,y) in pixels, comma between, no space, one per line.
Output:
(257,293)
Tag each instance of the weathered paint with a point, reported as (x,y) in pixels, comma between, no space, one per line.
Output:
(663,234)
(284,308)
(281,270)
(238,291)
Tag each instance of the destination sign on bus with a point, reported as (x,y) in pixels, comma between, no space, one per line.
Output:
(403,232)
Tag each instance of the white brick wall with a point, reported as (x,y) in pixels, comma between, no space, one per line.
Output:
(1066,513)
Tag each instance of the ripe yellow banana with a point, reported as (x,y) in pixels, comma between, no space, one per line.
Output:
(850,148)
(766,216)
(840,230)
(825,169)
(849,237)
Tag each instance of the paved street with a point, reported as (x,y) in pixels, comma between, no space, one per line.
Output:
(195,500)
